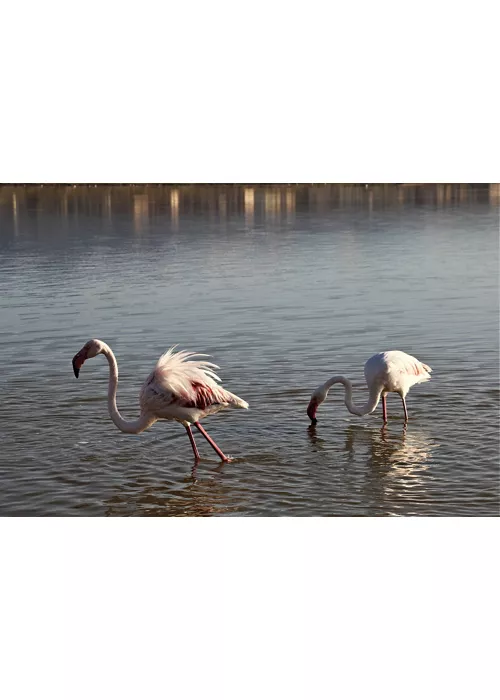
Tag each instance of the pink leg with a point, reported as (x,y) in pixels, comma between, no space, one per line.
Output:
(191,440)
(384,408)
(406,412)
(211,442)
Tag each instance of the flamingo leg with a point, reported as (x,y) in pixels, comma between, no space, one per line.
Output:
(211,442)
(404,406)
(191,440)
(384,408)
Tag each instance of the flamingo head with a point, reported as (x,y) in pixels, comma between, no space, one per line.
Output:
(316,399)
(90,349)
(312,408)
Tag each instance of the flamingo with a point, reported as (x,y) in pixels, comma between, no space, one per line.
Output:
(386,372)
(179,388)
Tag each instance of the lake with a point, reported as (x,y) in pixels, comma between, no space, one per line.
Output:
(284,287)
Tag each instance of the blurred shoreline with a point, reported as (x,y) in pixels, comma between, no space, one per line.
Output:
(246,184)
(219,202)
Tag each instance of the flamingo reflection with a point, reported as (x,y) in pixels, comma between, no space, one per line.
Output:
(195,495)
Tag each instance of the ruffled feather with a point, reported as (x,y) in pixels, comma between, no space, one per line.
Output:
(191,380)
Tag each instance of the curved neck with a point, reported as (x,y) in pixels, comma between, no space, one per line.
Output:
(134,426)
(368,407)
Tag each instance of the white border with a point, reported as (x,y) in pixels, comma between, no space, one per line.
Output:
(224,608)
(268,92)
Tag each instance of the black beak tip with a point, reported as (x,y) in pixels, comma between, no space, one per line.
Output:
(314,421)
(76,370)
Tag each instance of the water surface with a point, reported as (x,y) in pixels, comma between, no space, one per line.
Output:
(284,286)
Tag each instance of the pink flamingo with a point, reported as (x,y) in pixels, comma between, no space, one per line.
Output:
(179,388)
(385,372)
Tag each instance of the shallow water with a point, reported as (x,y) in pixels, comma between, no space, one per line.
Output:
(283,287)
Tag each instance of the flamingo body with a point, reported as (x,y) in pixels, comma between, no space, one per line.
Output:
(181,387)
(385,372)
(395,371)
(185,390)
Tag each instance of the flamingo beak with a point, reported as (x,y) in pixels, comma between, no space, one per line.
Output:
(77,362)
(311,411)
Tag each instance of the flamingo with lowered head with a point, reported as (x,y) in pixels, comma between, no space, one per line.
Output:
(179,388)
(386,372)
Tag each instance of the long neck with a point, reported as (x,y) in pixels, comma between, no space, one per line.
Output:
(368,407)
(134,426)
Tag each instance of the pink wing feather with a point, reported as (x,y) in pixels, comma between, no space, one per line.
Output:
(407,364)
(205,396)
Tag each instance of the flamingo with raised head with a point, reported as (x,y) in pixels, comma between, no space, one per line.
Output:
(386,372)
(179,388)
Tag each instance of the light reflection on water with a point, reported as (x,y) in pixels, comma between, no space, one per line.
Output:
(284,286)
